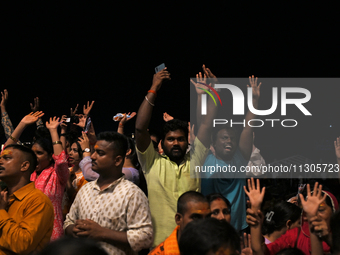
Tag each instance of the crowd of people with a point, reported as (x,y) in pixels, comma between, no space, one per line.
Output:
(70,191)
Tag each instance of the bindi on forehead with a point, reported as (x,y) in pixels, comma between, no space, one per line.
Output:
(96,146)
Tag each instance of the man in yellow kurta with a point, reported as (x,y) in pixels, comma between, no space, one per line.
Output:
(26,214)
(168,176)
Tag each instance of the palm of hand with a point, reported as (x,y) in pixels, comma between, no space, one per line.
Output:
(311,205)
(255,198)
(337,147)
(247,251)
(52,124)
(29,119)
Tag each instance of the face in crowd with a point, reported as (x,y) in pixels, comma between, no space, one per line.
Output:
(194,211)
(43,157)
(74,156)
(225,144)
(175,145)
(219,210)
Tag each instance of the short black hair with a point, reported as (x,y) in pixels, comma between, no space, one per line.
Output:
(189,196)
(209,234)
(173,125)
(212,197)
(118,141)
(72,246)
(29,155)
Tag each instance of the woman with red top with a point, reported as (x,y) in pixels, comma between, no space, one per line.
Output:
(318,208)
(52,172)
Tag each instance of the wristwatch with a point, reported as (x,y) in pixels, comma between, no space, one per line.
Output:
(86,150)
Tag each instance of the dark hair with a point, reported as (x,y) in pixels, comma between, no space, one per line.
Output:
(221,127)
(79,150)
(212,197)
(173,125)
(277,216)
(335,227)
(209,234)
(189,196)
(29,155)
(290,251)
(133,154)
(72,246)
(44,139)
(118,141)
(134,160)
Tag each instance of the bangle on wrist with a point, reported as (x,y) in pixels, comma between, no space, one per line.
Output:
(153,92)
(56,142)
(120,125)
(146,98)
(13,138)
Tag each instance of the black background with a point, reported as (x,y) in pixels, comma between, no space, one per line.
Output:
(71,53)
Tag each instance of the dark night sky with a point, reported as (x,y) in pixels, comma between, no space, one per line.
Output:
(68,54)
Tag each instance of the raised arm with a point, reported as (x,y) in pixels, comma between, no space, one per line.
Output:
(199,91)
(26,121)
(205,127)
(246,138)
(337,151)
(52,126)
(63,130)
(123,121)
(5,120)
(145,110)
(256,196)
(310,207)
(34,108)
(85,163)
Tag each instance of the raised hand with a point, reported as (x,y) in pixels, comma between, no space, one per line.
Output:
(191,133)
(254,86)
(87,108)
(63,125)
(32,117)
(82,121)
(255,193)
(209,74)
(337,147)
(73,112)
(36,105)
(84,141)
(313,201)
(167,117)
(159,77)
(246,245)
(53,123)
(198,84)
(4,98)
(125,118)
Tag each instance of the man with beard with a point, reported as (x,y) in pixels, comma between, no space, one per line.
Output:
(111,209)
(168,176)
